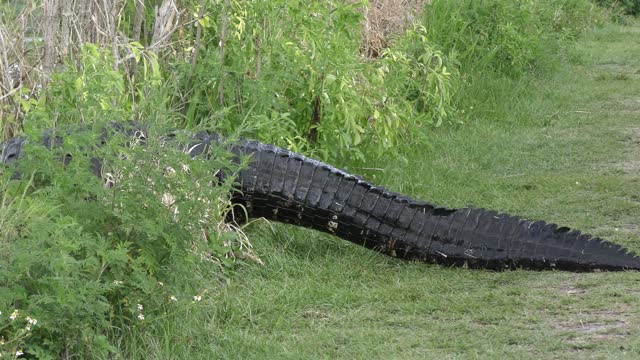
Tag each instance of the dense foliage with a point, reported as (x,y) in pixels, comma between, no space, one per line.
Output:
(290,72)
(507,37)
(629,7)
(86,258)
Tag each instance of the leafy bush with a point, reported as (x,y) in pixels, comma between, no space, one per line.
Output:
(89,90)
(629,7)
(79,256)
(420,84)
(80,252)
(285,72)
(291,73)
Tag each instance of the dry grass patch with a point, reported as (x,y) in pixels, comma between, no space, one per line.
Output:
(385,19)
(632,165)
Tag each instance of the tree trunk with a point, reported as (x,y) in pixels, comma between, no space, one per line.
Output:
(223,34)
(164,25)
(111,12)
(137,23)
(67,18)
(51,27)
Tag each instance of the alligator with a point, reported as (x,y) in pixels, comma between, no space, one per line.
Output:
(283,186)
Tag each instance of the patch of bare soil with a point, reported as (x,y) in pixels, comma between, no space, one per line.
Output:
(613,71)
(632,165)
(634,136)
(582,327)
(571,289)
(630,104)
(596,325)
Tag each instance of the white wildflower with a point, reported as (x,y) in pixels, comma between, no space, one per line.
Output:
(14,315)
(140,317)
(197,298)
(173,298)
(19,353)
(168,199)
(140,308)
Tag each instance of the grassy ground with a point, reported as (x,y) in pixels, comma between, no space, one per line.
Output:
(568,151)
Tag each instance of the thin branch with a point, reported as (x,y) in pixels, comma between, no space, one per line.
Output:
(223,35)
(196,50)
(137,23)
(11,92)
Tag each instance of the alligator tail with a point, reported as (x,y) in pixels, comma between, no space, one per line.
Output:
(287,187)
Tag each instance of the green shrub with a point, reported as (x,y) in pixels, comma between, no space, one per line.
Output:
(291,73)
(629,7)
(79,256)
(512,38)
(420,78)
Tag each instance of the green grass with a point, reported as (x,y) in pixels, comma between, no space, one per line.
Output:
(568,152)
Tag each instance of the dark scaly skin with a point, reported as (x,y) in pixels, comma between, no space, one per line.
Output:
(287,187)
(283,186)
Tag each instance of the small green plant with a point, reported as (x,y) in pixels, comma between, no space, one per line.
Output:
(422,76)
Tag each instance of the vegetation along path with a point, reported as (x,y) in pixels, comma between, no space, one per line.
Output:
(572,157)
